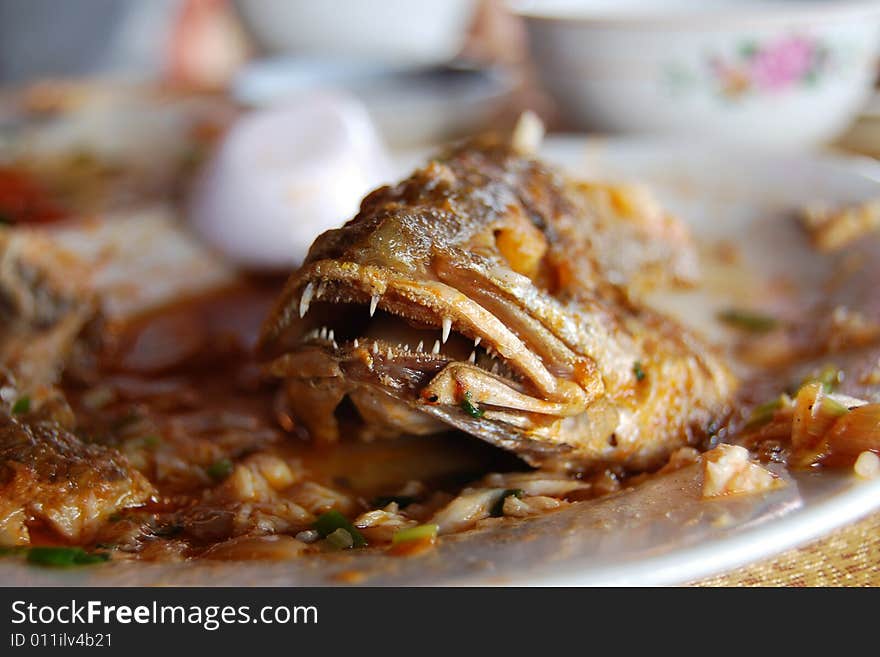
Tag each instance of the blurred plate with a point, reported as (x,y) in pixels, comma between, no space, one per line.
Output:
(660,532)
(408,106)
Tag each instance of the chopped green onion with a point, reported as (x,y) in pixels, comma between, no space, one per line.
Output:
(498,508)
(829,376)
(340,539)
(638,371)
(833,407)
(22,406)
(748,320)
(219,470)
(121,424)
(470,408)
(763,413)
(417,533)
(11,550)
(62,557)
(329,522)
(401,500)
(152,441)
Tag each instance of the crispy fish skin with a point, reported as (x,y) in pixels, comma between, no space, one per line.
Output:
(44,307)
(487,247)
(50,477)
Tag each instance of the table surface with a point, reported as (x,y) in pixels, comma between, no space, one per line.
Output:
(848,557)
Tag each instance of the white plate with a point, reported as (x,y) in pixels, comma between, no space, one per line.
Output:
(657,533)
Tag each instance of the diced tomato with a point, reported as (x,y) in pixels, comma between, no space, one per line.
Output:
(23,201)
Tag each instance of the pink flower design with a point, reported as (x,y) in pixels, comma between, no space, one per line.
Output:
(780,65)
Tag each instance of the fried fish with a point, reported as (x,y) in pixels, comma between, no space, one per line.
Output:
(488,293)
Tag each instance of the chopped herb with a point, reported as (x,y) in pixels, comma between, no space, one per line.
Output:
(121,424)
(498,508)
(219,470)
(384,500)
(152,441)
(748,321)
(21,406)
(829,376)
(62,557)
(329,522)
(638,371)
(417,533)
(11,550)
(340,539)
(762,414)
(470,408)
(833,407)
(5,220)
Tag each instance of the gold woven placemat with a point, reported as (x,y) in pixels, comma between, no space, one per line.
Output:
(848,557)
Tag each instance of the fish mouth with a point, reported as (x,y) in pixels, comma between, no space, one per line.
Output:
(423,342)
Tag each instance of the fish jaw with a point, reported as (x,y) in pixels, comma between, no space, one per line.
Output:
(424,344)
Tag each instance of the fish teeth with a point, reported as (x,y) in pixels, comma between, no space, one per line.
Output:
(421,346)
(388,354)
(447,327)
(374,302)
(375,348)
(306,299)
(436,349)
(335,346)
(331,336)
(473,357)
(494,369)
(323,333)
(321,289)
(356,343)
(477,341)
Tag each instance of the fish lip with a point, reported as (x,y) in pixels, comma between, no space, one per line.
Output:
(433,300)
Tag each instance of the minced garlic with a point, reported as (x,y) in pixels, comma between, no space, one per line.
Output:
(727,470)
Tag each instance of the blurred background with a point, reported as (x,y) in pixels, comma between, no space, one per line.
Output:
(790,73)
(425,70)
(293,109)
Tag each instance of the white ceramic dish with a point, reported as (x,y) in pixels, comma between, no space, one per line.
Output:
(409,107)
(660,532)
(769,72)
(396,32)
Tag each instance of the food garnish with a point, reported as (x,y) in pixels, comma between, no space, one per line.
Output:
(327,524)
(747,320)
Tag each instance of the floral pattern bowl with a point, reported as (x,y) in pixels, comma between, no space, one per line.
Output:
(767,73)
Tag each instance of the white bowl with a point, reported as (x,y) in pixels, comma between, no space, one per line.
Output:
(401,33)
(410,107)
(778,74)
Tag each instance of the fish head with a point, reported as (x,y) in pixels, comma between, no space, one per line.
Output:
(414,309)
